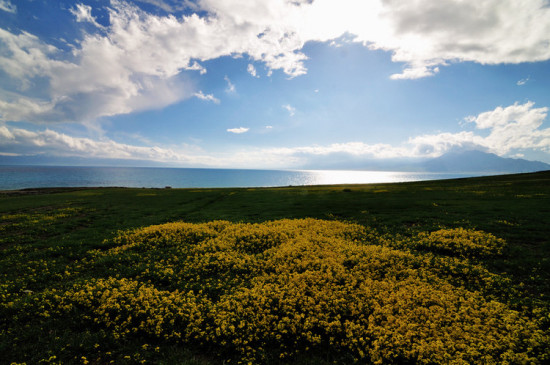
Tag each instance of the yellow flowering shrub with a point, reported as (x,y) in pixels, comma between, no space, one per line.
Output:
(460,242)
(267,293)
(129,307)
(169,234)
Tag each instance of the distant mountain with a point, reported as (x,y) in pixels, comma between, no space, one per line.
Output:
(454,162)
(478,161)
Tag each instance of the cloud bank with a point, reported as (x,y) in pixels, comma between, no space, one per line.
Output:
(23,142)
(507,130)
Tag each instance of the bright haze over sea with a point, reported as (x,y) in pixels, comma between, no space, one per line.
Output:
(21,177)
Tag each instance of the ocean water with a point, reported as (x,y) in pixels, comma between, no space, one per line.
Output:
(22,177)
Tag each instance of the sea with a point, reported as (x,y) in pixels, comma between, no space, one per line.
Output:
(25,177)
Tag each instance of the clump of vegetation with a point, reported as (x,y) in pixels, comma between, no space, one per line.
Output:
(460,242)
(279,290)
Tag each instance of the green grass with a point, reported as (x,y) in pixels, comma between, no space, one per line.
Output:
(46,233)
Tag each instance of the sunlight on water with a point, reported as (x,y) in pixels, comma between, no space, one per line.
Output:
(329,177)
(20,177)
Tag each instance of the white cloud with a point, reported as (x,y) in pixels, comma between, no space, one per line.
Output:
(422,34)
(5,134)
(83,13)
(522,82)
(434,145)
(415,72)
(378,151)
(291,110)
(513,128)
(6,5)
(24,57)
(17,140)
(230,89)
(196,67)
(252,70)
(207,97)
(239,130)
(426,34)
(25,109)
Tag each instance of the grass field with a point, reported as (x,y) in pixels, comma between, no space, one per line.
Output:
(80,283)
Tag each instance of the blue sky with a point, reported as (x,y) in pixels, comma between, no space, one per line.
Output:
(273,83)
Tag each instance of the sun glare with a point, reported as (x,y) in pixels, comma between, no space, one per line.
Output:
(328,177)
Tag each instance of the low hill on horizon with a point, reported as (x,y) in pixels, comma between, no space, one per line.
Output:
(478,161)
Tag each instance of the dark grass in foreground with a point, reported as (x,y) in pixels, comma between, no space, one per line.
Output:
(46,234)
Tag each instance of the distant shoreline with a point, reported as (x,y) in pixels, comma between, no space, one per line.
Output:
(62,189)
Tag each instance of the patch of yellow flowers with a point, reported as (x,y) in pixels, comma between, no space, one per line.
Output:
(461,242)
(270,292)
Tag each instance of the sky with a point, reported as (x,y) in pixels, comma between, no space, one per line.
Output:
(273,84)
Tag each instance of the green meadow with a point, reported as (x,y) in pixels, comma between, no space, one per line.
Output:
(450,271)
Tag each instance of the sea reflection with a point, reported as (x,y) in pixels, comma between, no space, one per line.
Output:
(330,177)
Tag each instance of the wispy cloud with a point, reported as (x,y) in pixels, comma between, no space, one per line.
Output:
(290,109)
(239,130)
(252,70)
(522,82)
(207,97)
(6,5)
(230,89)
